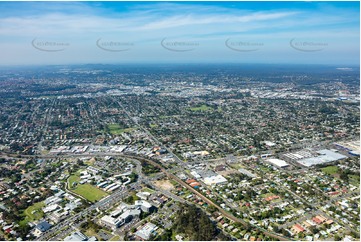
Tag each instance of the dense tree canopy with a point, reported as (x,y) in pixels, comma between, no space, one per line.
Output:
(195,224)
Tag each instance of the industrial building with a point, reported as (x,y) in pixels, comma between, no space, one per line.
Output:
(324,156)
(353,147)
(277,162)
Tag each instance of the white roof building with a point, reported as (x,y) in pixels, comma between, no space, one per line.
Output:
(277,162)
(214,180)
(111,222)
(146,231)
(143,195)
(144,205)
(50,208)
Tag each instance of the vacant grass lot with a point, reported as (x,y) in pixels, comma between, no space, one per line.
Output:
(115,238)
(330,170)
(354,180)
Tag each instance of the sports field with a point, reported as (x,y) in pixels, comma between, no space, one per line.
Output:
(116,129)
(87,191)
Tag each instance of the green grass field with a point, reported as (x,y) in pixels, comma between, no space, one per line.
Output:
(87,191)
(201,108)
(90,192)
(71,180)
(38,214)
(116,129)
(146,189)
(330,170)
(267,195)
(354,180)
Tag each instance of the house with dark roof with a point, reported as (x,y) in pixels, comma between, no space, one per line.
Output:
(41,227)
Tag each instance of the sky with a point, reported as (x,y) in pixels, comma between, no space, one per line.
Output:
(39,33)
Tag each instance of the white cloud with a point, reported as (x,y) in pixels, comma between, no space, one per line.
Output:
(186,20)
(146,25)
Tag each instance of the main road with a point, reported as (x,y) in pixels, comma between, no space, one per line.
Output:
(113,198)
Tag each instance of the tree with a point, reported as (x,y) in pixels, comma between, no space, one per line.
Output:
(314,230)
(195,224)
(166,236)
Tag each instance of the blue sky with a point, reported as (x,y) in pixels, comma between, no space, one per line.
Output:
(179,32)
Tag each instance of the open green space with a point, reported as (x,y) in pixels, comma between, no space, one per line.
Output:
(147,189)
(91,232)
(131,198)
(330,170)
(87,191)
(153,125)
(267,195)
(90,192)
(116,129)
(354,180)
(201,108)
(237,166)
(34,212)
(115,238)
(71,180)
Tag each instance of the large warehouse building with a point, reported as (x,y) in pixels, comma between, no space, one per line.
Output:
(325,156)
(277,162)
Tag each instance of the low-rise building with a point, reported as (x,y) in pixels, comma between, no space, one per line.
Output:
(76,236)
(110,222)
(146,231)
(41,227)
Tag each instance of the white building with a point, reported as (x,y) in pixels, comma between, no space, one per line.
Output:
(212,180)
(143,195)
(278,162)
(143,205)
(146,231)
(111,222)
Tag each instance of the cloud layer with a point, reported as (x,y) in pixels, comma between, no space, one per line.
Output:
(81,24)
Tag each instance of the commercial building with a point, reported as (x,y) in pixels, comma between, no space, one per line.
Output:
(277,162)
(143,195)
(325,156)
(143,205)
(247,173)
(111,222)
(146,231)
(128,215)
(79,236)
(212,180)
(353,147)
